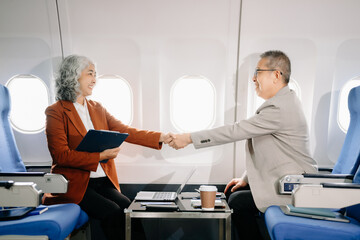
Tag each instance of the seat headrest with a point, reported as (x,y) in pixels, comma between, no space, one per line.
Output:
(348,161)
(4,101)
(10,159)
(354,100)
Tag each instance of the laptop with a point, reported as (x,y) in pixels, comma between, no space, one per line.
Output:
(163,196)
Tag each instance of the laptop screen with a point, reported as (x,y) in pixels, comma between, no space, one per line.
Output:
(178,191)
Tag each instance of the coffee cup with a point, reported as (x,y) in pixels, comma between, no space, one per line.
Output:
(207,196)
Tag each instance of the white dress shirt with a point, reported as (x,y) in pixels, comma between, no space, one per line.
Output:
(85,117)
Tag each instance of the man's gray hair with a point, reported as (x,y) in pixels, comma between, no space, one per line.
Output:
(278,60)
(66,82)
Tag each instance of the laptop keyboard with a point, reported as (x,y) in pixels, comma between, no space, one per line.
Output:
(163,195)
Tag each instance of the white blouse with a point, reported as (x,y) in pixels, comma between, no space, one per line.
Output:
(85,117)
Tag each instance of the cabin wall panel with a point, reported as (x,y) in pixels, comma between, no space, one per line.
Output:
(316,35)
(30,44)
(151,44)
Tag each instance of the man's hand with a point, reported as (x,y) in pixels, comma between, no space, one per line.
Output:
(180,140)
(236,183)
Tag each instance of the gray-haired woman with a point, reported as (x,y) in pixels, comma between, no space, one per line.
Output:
(92,184)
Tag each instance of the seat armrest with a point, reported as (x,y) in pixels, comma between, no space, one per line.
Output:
(327,195)
(38,168)
(19,174)
(290,182)
(325,170)
(6,184)
(19,194)
(341,185)
(332,176)
(47,182)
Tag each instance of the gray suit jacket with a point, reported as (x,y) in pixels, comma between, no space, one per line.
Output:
(277,144)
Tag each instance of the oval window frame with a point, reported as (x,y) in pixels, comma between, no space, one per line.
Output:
(13,122)
(117,77)
(173,87)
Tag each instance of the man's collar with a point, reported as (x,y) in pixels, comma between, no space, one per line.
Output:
(283,90)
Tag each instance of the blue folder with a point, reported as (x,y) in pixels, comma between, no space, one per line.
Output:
(100,140)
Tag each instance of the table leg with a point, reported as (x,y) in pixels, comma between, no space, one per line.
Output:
(228,228)
(127,226)
(221,228)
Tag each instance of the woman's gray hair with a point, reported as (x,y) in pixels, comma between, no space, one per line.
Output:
(66,83)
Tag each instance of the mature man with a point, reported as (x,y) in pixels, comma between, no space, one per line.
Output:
(277,144)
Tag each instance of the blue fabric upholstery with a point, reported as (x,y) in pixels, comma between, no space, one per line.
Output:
(353,212)
(281,226)
(348,161)
(59,220)
(8,148)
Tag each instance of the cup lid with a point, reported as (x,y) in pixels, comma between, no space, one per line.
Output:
(208,188)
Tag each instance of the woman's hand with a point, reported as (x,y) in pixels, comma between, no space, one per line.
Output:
(166,138)
(109,153)
(180,140)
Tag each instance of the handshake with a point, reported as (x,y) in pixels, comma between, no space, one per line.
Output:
(176,141)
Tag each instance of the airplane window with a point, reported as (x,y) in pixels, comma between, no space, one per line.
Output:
(192,103)
(293,85)
(343,116)
(115,94)
(29,99)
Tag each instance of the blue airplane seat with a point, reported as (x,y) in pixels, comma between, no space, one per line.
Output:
(281,226)
(348,161)
(59,220)
(56,223)
(8,147)
(284,227)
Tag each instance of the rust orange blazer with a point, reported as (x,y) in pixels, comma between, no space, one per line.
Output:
(65,130)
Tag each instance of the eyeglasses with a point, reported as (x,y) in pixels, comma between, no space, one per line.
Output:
(264,70)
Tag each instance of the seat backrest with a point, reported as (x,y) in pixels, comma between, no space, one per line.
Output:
(10,159)
(348,161)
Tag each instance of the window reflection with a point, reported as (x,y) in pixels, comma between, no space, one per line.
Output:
(29,99)
(115,94)
(192,103)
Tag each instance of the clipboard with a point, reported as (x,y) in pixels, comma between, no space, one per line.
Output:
(14,213)
(100,140)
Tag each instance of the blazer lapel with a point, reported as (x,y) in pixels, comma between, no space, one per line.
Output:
(74,117)
(94,115)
